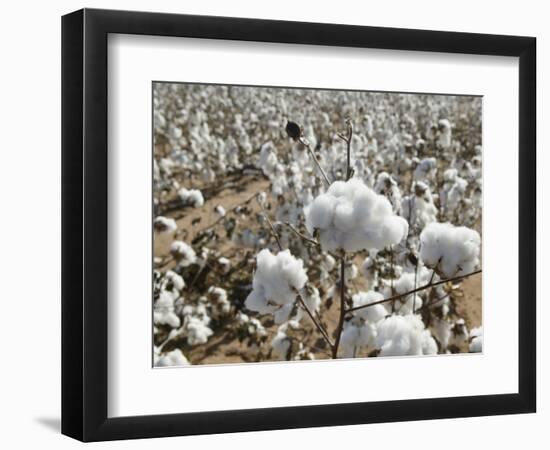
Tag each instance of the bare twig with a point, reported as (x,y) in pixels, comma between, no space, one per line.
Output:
(273,231)
(433,302)
(343,311)
(315,160)
(421,288)
(347,139)
(301,235)
(314,320)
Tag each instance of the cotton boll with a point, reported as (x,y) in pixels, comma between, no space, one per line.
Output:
(320,212)
(312,298)
(419,208)
(387,186)
(268,158)
(192,197)
(425,169)
(220,211)
(303,354)
(450,250)
(373,313)
(257,301)
(403,335)
(183,253)
(328,263)
(445,136)
(197,331)
(173,358)
(350,271)
(429,346)
(218,299)
(476,343)
(352,217)
(354,336)
(175,279)
(163,310)
(276,281)
(164,225)
(442,331)
(459,333)
(224,265)
(280,344)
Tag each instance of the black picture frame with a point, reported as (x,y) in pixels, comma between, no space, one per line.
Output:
(84,224)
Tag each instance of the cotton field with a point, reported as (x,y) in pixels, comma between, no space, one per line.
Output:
(294,224)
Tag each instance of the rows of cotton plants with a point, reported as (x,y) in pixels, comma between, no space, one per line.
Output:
(311,224)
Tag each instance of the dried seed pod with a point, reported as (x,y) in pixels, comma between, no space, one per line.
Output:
(293,130)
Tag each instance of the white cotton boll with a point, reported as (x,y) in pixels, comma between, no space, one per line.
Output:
(183,253)
(402,335)
(164,225)
(276,280)
(176,280)
(256,328)
(170,359)
(280,344)
(197,331)
(476,343)
(257,301)
(446,133)
(387,186)
(456,194)
(450,250)
(373,313)
(328,262)
(369,271)
(425,169)
(459,333)
(220,211)
(208,175)
(429,346)
(218,299)
(442,332)
(241,318)
(419,208)
(191,197)
(352,217)
(354,336)
(262,198)
(412,304)
(163,310)
(312,298)
(350,271)
(320,212)
(268,158)
(450,175)
(282,313)
(224,264)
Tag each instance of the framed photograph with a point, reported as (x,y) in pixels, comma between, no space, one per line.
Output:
(273,224)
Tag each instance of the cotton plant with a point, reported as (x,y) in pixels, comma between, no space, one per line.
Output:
(164,225)
(183,253)
(404,336)
(277,280)
(220,305)
(450,250)
(348,209)
(351,217)
(191,197)
(476,340)
(170,359)
(418,207)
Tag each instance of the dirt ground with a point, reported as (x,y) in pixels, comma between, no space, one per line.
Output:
(223,347)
